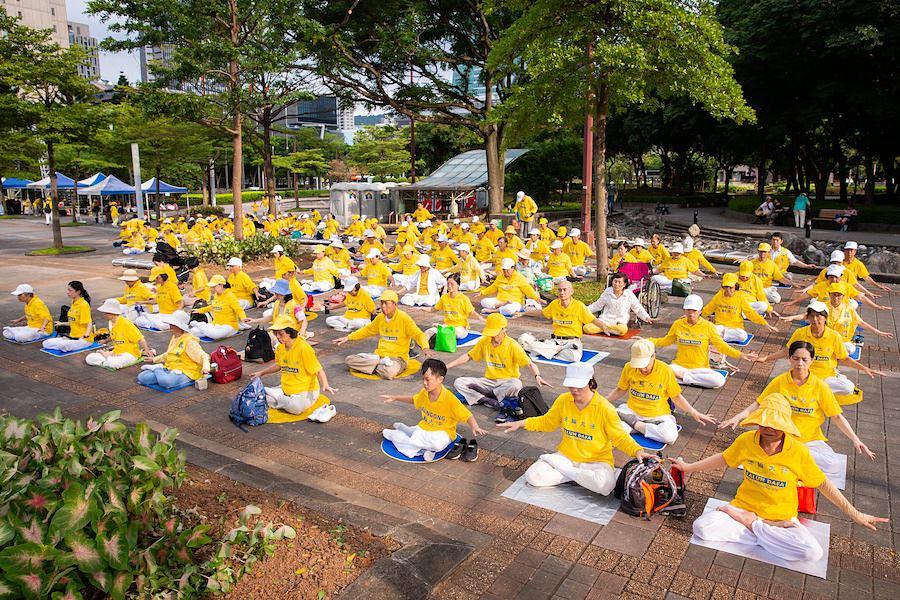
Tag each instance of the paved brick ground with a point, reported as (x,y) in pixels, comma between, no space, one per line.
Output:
(517,551)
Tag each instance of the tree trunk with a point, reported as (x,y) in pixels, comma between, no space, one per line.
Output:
(843,172)
(727,178)
(268,169)
(296,191)
(870,180)
(761,172)
(715,185)
(204,192)
(54,198)
(495,172)
(158,198)
(600,243)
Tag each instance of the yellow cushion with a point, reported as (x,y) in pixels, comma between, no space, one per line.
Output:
(276,415)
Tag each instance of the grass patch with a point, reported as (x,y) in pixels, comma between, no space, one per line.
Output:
(588,291)
(10,216)
(57,251)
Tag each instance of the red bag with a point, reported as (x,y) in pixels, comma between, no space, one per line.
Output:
(229,366)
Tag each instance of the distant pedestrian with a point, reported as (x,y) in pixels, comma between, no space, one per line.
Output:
(801,207)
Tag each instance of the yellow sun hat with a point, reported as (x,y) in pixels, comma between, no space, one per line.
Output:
(216,280)
(774,411)
(389,296)
(746,268)
(729,280)
(494,324)
(283,322)
(839,287)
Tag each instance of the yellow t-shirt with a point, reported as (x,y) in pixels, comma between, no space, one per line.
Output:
(407,264)
(340,257)
(394,336)
(225,309)
(511,289)
(766,270)
(539,250)
(286,309)
(769,489)
(468,269)
(137,292)
(167,297)
(843,319)
(810,403)
(456,310)
(484,249)
(578,252)
(443,258)
(547,234)
(568,321)
(323,269)
(167,269)
(360,306)
(588,435)
(242,286)
(376,274)
(676,268)
(283,264)
(36,312)
(819,291)
(299,366)
(648,395)
(443,414)
(829,350)
(638,254)
(200,285)
(659,253)
(297,293)
(856,267)
(693,343)
(502,361)
(177,358)
(753,289)
(730,311)
(125,337)
(559,265)
(498,256)
(80,319)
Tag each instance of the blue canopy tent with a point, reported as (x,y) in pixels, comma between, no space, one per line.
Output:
(149,187)
(92,180)
(108,186)
(14,183)
(62,183)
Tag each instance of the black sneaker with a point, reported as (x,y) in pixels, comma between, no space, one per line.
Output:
(457,449)
(470,454)
(503,416)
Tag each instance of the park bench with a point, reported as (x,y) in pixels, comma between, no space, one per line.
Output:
(825,220)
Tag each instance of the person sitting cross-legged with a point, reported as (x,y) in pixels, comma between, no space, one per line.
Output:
(128,343)
(590,428)
(730,308)
(650,384)
(512,291)
(764,510)
(183,361)
(456,307)
(615,306)
(503,357)
(423,288)
(395,330)
(81,325)
(226,311)
(302,376)
(441,413)
(360,308)
(37,318)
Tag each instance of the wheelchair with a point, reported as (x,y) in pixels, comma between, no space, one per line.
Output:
(642,285)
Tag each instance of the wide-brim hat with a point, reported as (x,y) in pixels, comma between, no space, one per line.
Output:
(216,280)
(281,287)
(110,306)
(129,275)
(774,411)
(178,319)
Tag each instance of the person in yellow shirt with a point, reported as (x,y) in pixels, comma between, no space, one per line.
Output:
(811,401)
(539,249)
(477,226)
(407,268)
(182,362)
(302,377)
(360,308)
(568,317)
(512,291)
(493,232)
(501,252)
(378,275)
(503,358)
(37,318)
(395,330)
(697,257)
(619,255)
(470,271)
(657,250)
(650,384)
(829,350)
(114,214)
(135,293)
(764,510)
(484,250)
(466,237)
(356,228)
(370,243)
(168,298)
(80,323)
(513,241)
(241,284)
(637,251)
(547,234)
(161,266)
(768,272)
(677,267)
(525,210)
(783,257)
(693,335)
(422,214)
(456,307)
(284,307)
(340,256)
(590,429)
(730,308)
(852,263)
(559,264)
(443,257)
(579,252)
(844,319)
(283,263)
(199,286)
(441,414)
(423,288)
(126,340)
(136,244)
(324,273)
(227,312)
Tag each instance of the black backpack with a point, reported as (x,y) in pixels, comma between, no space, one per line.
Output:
(198,316)
(532,402)
(64,330)
(259,346)
(647,487)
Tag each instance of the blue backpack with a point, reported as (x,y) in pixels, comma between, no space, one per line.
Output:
(249,407)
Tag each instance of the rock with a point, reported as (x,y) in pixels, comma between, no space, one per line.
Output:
(884,262)
(812,255)
(795,244)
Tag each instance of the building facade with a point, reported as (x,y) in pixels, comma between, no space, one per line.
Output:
(41,14)
(80,35)
(324,112)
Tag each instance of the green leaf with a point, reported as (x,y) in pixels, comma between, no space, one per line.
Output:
(120,584)
(25,557)
(75,511)
(287,532)
(71,593)
(85,553)
(34,533)
(113,548)
(31,585)
(145,464)
(101,580)
(7,590)
(197,537)
(7,532)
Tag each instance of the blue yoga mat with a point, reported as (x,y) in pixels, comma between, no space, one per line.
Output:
(646,443)
(40,339)
(471,338)
(58,353)
(387,446)
(589,357)
(856,353)
(209,340)
(484,311)
(746,342)
(159,388)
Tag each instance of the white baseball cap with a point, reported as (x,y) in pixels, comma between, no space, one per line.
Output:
(519,195)
(507,263)
(837,256)
(368,233)
(556,244)
(819,307)
(677,248)
(423,261)
(336,243)
(23,288)
(373,253)
(463,248)
(426,223)
(350,282)
(304,216)
(234,261)
(534,232)
(835,270)
(578,375)
(110,306)
(638,242)
(277,248)
(575,232)
(442,238)
(456,221)
(693,302)
(851,245)
(688,244)
(464,226)
(475,219)
(642,352)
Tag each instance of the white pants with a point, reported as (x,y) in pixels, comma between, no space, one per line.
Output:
(662,429)
(469,286)
(374,290)
(567,350)
(838,383)
(705,378)
(294,404)
(827,459)
(113,361)
(665,284)
(460,332)
(732,334)
(772,295)
(419,299)
(760,307)
(412,441)
(581,270)
(800,218)
(215,332)
(245,304)
(401,279)
(64,344)
(132,251)
(309,285)
(23,334)
(789,543)
(150,321)
(554,469)
(850,347)
(507,310)
(474,389)
(343,324)
(48,218)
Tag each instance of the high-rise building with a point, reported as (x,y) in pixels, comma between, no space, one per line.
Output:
(80,35)
(469,81)
(323,111)
(41,14)
(150,55)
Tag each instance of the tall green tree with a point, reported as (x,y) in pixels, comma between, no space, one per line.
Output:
(381,151)
(591,57)
(437,143)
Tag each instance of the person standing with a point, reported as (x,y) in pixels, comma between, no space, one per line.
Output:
(801,207)
(525,210)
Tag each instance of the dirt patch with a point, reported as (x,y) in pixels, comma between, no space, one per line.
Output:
(324,558)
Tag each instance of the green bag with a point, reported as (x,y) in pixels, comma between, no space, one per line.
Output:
(545,284)
(445,339)
(681,288)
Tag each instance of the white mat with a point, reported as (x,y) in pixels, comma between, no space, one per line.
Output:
(569,499)
(820,531)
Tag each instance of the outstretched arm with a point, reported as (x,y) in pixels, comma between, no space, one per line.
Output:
(834,496)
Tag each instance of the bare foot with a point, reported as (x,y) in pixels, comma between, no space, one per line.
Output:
(743,517)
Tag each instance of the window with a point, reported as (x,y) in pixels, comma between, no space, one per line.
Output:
(52,11)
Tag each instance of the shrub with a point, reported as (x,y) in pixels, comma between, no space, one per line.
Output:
(251,196)
(206,211)
(255,247)
(83,512)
